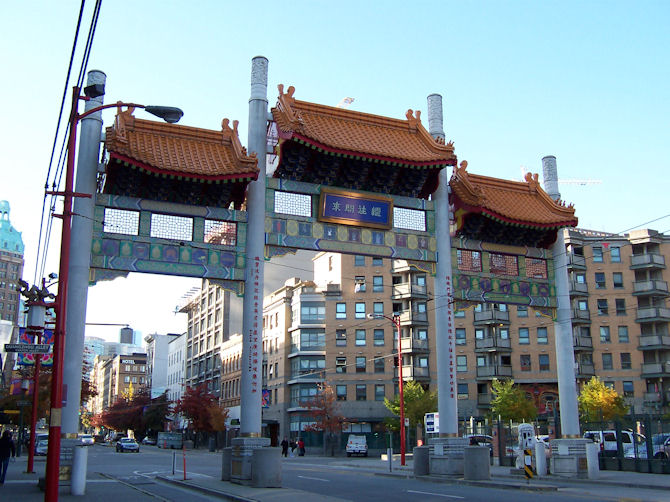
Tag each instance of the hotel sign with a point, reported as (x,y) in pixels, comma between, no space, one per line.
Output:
(352,208)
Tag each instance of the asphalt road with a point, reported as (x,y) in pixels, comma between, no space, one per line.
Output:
(332,477)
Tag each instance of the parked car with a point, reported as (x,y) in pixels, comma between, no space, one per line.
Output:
(86,439)
(481,440)
(127,444)
(631,442)
(41,447)
(661,445)
(357,445)
(149,440)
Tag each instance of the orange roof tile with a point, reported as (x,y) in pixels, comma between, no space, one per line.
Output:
(180,150)
(509,201)
(345,131)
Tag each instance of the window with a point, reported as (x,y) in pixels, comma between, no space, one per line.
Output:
(580,278)
(524,337)
(628,390)
(481,361)
(360,364)
(469,261)
(126,379)
(600,280)
(423,362)
(422,334)
(341,311)
(360,310)
(524,359)
(312,312)
(463,391)
(459,313)
(340,365)
(341,391)
(461,364)
(378,284)
(607,361)
(605,334)
(379,365)
(623,334)
(377,262)
(378,308)
(522,311)
(361,394)
(544,362)
(602,306)
(360,337)
(620,304)
(460,336)
(625,361)
(615,254)
(582,305)
(479,334)
(541,335)
(359,284)
(378,337)
(597,254)
(359,261)
(380,392)
(617,280)
(503,333)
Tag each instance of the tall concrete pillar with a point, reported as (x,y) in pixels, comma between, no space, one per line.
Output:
(444,312)
(252,325)
(565,356)
(80,256)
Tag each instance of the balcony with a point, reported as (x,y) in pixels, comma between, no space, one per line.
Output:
(647,260)
(409,318)
(492,344)
(654,342)
(650,288)
(651,370)
(576,261)
(653,314)
(413,345)
(491,317)
(412,373)
(581,343)
(585,370)
(408,290)
(581,316)
(494,371)
(578,288)
(484,400)
(653,397)
(316,376)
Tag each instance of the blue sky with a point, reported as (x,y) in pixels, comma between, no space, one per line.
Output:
(584,81)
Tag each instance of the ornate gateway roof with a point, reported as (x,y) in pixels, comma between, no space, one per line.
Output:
(488,208)
(339,147)
(177,163)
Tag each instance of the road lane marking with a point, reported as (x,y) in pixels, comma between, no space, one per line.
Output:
(315,479)
(436,494)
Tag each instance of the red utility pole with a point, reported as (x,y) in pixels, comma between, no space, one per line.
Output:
(36,387)
(396,321)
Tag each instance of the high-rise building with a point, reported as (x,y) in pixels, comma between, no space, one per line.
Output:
(157,362)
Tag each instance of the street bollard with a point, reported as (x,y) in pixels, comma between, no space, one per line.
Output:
(174,460)
(389,456)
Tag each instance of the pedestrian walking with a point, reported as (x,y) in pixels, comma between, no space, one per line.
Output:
(7,449)
(293,446)
(284,447)
(301,447)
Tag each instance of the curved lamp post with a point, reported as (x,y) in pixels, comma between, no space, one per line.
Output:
(396,322)
(170,115)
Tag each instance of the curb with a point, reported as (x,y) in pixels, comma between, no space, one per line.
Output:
(205,490)
(466,482)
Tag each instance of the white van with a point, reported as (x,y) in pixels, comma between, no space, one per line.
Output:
(607,441)
(357,445)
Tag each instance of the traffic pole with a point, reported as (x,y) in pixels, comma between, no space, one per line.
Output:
(183,450)
(36,388)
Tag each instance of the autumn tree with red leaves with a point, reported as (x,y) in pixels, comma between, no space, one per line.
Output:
(324,409)
(202,408)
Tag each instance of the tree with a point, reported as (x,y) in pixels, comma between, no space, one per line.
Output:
(139,414)
(324,409)
(195,405)
(510,402)
(597,401)
(418,402)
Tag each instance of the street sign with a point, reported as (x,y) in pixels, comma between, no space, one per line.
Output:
(11,412)
(23,403)
(28,348)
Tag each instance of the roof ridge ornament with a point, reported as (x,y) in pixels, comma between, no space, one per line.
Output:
(533,182)
(414,119)
(123,120)
(232,136)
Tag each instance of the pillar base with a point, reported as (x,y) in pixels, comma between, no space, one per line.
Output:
(568,457)
(241,458)
(447,455)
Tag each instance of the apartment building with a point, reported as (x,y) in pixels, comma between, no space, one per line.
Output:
(114,376)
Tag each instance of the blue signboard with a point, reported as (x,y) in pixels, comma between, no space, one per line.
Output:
(351,208)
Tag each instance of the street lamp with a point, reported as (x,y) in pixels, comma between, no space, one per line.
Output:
(396,321)
(170,115)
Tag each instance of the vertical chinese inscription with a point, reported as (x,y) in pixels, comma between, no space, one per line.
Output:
(253,333)
(450,338)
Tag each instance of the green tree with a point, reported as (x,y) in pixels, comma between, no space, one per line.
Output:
(418,402)
(510,402)
(597,401)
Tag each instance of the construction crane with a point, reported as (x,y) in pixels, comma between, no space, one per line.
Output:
(573,181)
